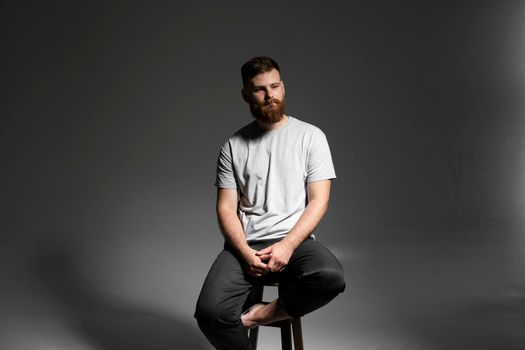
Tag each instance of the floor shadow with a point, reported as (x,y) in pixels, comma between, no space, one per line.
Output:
(106,322)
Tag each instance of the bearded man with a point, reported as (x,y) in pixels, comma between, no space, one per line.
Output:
(273,187)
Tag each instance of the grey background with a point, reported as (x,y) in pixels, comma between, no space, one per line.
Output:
(112,116)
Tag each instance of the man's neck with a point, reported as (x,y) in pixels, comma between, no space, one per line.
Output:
(273,126)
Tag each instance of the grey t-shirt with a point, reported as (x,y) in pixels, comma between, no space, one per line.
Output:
(270,170)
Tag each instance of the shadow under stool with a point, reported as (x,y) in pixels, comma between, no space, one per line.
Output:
(288,327)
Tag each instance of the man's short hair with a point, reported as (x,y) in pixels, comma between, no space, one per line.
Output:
(257,65)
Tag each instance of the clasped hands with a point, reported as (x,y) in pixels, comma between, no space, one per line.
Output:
(270,259)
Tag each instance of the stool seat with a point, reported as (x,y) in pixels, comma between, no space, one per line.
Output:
(287,327)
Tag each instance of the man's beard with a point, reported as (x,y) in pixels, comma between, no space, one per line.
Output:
(268,113)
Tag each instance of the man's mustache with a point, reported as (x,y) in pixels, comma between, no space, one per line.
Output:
(269,102)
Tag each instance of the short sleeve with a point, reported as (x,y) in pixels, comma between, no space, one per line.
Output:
(319,163)
(225,173)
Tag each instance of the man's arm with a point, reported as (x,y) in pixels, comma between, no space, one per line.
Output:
(233,231)
(318,197)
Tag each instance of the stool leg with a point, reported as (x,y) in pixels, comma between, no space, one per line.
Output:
(297,334)
(286,336)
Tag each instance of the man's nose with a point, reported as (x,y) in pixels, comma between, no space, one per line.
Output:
(269,94)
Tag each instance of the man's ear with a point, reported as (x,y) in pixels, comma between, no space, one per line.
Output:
(284,92)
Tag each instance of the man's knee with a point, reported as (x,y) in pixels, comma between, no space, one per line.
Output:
(332,280)
(214,315)
(221,327)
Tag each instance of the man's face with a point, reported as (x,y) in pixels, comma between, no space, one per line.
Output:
(265,95)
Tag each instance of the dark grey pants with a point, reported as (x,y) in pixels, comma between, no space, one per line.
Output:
(312,278)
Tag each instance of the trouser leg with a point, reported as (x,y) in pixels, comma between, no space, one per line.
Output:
(312,278)
(220,303)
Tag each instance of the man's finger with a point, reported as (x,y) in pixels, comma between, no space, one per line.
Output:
(272,266)
(276,266)
(259,266)
(255,273)
(264,251)
(265,257)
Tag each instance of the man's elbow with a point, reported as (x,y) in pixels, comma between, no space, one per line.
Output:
(224,210)
(321,204)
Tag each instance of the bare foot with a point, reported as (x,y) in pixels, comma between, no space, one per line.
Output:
(262,314)
(248,318)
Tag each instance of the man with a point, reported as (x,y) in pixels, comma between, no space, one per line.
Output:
(273,186)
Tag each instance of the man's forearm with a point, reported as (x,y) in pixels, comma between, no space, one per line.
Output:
(307,223)
(232,230)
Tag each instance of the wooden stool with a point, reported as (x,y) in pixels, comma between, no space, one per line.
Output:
(287,326)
